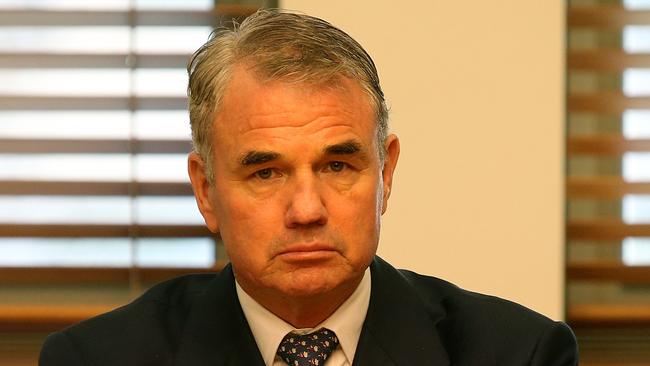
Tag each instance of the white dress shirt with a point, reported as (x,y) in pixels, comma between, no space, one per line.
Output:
(346,322)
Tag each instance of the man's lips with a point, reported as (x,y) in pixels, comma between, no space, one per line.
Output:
(306,251)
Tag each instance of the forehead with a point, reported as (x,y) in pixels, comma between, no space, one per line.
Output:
(251,104)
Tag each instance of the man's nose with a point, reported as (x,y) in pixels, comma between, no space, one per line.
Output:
(306,206)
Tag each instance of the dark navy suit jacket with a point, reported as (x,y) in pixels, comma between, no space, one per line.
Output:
(413,320)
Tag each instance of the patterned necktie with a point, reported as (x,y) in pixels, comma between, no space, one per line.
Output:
(309,349)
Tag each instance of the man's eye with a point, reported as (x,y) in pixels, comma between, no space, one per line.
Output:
(337,166)
(264,173)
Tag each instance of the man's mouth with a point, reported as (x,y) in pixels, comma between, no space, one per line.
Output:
(307,252)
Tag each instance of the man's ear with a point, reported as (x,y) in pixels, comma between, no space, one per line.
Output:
(391,146)
(203,191)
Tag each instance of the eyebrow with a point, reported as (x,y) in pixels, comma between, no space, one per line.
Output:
(254,157)
(258,157)
(344,148)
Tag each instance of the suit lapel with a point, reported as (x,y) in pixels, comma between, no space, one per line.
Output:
(400,329)
(216,332)
(370,351)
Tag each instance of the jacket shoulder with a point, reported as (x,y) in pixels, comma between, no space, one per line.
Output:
(483,329)
(144,332)
(476,306)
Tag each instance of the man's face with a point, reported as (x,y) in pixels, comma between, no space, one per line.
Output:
(299,187)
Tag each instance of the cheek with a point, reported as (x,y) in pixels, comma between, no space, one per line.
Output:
(247,226)
(357,214)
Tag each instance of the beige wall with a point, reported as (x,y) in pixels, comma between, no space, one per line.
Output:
(476,91)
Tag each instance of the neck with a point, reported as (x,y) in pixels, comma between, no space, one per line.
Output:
(305,311)
(309,312)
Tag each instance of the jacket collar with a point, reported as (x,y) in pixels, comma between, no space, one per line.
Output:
(400,328)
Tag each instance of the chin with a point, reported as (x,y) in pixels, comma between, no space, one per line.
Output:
(314,281)
(306,292)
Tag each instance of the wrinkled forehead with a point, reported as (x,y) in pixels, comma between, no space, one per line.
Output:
(247,80)
(250,103)
(247,84)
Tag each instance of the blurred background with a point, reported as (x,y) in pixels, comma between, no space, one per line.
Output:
(525,169)
(608,179)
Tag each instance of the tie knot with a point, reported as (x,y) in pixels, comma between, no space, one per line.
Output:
(308,349)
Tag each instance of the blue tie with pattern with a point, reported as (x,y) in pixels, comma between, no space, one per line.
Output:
(309,349)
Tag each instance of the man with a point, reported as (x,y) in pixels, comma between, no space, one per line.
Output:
(293,167)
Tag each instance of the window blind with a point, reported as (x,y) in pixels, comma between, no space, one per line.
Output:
(94,135)
(608,179)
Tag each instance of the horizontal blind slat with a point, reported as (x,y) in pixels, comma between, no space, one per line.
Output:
(46,318)
(102,231)
(19,17)
(80,60)
(39,146)
(93,275)
(609,271)
(53,188)
(607,103)
(609,315)
(606,144)
(609,60)
(604,187)
(603,16)
(34,102)
(605,229)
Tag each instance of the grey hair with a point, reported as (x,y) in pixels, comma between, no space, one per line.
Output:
(279,45)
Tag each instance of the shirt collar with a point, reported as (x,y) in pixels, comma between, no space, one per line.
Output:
(347,321)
